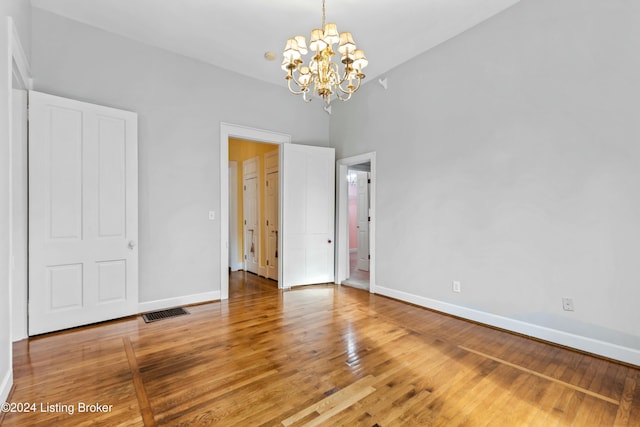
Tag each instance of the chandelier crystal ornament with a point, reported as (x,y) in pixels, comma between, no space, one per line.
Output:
(322,76)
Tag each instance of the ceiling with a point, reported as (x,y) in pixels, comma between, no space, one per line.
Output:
(235,34)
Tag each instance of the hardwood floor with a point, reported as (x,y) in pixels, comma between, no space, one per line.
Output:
(320,355)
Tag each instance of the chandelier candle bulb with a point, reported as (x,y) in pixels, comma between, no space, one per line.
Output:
(323,77)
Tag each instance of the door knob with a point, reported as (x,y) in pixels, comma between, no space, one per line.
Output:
(131,244)
(329,241)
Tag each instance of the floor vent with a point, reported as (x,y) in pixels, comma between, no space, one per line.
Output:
(163,314)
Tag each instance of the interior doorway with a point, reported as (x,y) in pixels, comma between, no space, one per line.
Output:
(355,256)
(227,131)
(253,221)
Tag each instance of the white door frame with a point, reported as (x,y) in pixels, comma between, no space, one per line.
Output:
(20,72)
(342,218)
(17,69)
(243,132)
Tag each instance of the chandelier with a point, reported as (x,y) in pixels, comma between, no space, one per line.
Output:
(322,76)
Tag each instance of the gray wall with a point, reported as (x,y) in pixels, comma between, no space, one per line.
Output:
(20,11)
(508,158)
(180,103)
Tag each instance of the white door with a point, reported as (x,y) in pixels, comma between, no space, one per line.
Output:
(307,222)
(363,221)
(271,206)
(250,215)
(83,213)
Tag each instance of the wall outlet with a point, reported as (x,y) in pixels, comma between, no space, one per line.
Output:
(212,215)
(456,286)
(567,304)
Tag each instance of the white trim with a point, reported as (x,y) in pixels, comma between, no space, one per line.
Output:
(5,386)
(238,131)
(342,231)
(590,345)
(145,307)
(15,55)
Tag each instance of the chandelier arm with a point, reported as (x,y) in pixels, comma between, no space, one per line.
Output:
(293,91)
(350,92)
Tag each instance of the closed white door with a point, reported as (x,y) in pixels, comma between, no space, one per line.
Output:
(307,221)
(363,221)
(250,215)
(83,213)
(271,205)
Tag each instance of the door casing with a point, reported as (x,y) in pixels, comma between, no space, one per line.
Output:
(228,130)
(342,218)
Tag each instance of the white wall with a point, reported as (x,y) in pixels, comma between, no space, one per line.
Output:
(20,11)
(508,159)
(180,103)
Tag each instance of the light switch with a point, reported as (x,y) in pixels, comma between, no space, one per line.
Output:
(212,215)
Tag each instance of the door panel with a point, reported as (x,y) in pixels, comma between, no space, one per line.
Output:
(83,215)
(363,221)
(272,225)
(307,224)
(251,215)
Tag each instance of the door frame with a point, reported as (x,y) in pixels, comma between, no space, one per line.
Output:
(252,134)
(342,217)
(20,73)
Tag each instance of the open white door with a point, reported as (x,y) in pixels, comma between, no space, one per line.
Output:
(83,213)
(307,216)
(363,221)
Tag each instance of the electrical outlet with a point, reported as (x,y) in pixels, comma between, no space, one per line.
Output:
(567,304)
(456,286)
(212,215)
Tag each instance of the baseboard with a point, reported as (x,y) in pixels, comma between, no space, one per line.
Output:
(145,307)
(578,342)
(237,267)
(5,386)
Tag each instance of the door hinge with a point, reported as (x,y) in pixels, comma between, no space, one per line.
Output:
(267,262)
(267,223)
(369,181)
(245,188)
(369,218)
(368,256)
(245,257)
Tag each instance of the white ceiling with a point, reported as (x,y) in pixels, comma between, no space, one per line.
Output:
(235,34)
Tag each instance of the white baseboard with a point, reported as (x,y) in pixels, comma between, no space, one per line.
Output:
(5,386)
(352,250)
(237,267)
(145,307)
(590,345)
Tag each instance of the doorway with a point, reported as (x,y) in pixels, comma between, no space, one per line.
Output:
(251,222)
(227,131)
(355,264)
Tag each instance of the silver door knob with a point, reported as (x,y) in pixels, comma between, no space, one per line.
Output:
(131,244)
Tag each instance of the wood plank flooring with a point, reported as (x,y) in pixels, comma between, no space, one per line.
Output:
(317,355)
